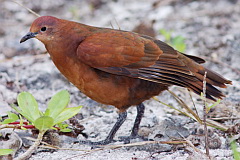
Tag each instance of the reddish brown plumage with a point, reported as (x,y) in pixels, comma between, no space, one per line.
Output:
(120,68)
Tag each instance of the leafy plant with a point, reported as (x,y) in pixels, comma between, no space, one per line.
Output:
(177,42)
(56,112)
(5,152)
(11,118)
(211,106)
(236,153)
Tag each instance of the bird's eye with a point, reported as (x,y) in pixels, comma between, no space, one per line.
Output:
(43,29)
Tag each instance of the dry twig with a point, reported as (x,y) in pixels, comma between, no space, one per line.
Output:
(205,116)
(35,145)
(31,11)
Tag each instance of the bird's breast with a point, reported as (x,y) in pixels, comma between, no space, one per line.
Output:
(98,86)
(119,91)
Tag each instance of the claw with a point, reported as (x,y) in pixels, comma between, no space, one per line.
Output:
(99,143)
(127,139)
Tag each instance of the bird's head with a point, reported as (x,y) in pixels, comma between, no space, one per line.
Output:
(42,29)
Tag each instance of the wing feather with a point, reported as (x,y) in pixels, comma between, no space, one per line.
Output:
(143,57)
(115,49)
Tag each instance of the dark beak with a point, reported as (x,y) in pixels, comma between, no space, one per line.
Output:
(28,36)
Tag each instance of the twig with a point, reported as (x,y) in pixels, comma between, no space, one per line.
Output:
(2,126)
(108,146)
(29,152)
(193,102)
(130,145)
(224,118)
(189,143)
(111,25)
(143,143)
(184,105)
(184,113)
(114,146)
(16,125)
(216,125)
(31,11)
(205,115)
(119,28)
(72,149)
(25,123)
(196,116)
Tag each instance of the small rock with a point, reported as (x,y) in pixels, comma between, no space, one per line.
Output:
(144,131)
(10,140)
(168,130)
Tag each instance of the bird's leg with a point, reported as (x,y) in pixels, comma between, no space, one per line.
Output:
(121,118)
(140,113)
(134,132)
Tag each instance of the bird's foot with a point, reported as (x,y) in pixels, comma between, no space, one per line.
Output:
(127,139)
(99,143)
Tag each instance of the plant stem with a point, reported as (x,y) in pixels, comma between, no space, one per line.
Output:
(205,115)
(29,152)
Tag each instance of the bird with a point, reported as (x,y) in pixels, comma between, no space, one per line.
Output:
(120,68)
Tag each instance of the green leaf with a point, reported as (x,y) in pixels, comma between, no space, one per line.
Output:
(166,34)
(180,47)
(28,106)
(66,114)
(178,40)
(213,105)
(21,120)
(234,147)
(57,104)
(65,130)
(43,123)
(47,112)
(28,117)
(6,121)
(5,152)
(62,125)
(178,43)
(11,118)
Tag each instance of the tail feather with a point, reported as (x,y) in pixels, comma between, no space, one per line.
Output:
(212,79)
(185,71)
(211,91)
(217,79)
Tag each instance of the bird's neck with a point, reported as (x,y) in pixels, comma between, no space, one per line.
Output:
(63,52)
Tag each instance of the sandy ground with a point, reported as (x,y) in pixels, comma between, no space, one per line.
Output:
(211,29)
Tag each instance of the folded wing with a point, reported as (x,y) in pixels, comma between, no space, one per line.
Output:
(143,57)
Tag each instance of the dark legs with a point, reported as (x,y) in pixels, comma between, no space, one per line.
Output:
(140,112)
(134,132)
(122,117)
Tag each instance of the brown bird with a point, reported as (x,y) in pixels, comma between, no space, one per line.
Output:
(120,68)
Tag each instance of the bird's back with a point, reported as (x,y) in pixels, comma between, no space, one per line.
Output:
(124,68)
